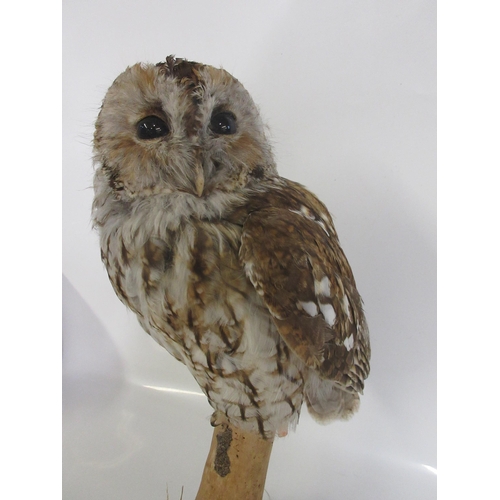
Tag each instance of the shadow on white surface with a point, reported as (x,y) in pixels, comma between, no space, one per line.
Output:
(87,346)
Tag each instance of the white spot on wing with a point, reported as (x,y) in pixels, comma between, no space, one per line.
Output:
(305,212)
(322,226)
(249,268)
(328,313)
(309,307)
(346,307)
(322,287)
(349,342)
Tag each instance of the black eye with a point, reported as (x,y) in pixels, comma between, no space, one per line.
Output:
(223,123)
(151,127)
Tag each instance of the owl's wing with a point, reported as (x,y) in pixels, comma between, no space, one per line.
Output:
(294,260)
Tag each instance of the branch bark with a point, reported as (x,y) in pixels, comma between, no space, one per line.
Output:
(236,466)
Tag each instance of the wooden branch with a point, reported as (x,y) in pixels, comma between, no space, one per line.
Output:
(236,466)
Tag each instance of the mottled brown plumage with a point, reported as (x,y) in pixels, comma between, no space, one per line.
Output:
(236,271)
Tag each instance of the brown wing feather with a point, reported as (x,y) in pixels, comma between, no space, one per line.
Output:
(294,260)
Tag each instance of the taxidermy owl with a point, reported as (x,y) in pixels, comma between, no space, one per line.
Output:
(236,271)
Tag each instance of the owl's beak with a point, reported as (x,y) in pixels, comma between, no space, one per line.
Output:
(199,181)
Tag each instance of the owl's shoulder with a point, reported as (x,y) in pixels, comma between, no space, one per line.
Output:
(280,195)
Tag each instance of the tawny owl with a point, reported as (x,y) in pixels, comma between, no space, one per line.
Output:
(235,270)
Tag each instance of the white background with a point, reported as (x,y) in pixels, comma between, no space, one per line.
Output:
(348,89)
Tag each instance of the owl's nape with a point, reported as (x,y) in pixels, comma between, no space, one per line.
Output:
(235,270)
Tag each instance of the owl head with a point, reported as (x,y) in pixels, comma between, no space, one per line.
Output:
(179,126)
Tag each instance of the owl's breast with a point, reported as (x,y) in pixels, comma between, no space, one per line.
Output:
(185,285)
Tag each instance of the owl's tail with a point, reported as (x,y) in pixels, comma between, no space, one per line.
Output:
(327,401)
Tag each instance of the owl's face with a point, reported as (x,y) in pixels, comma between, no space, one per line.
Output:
(179,126)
